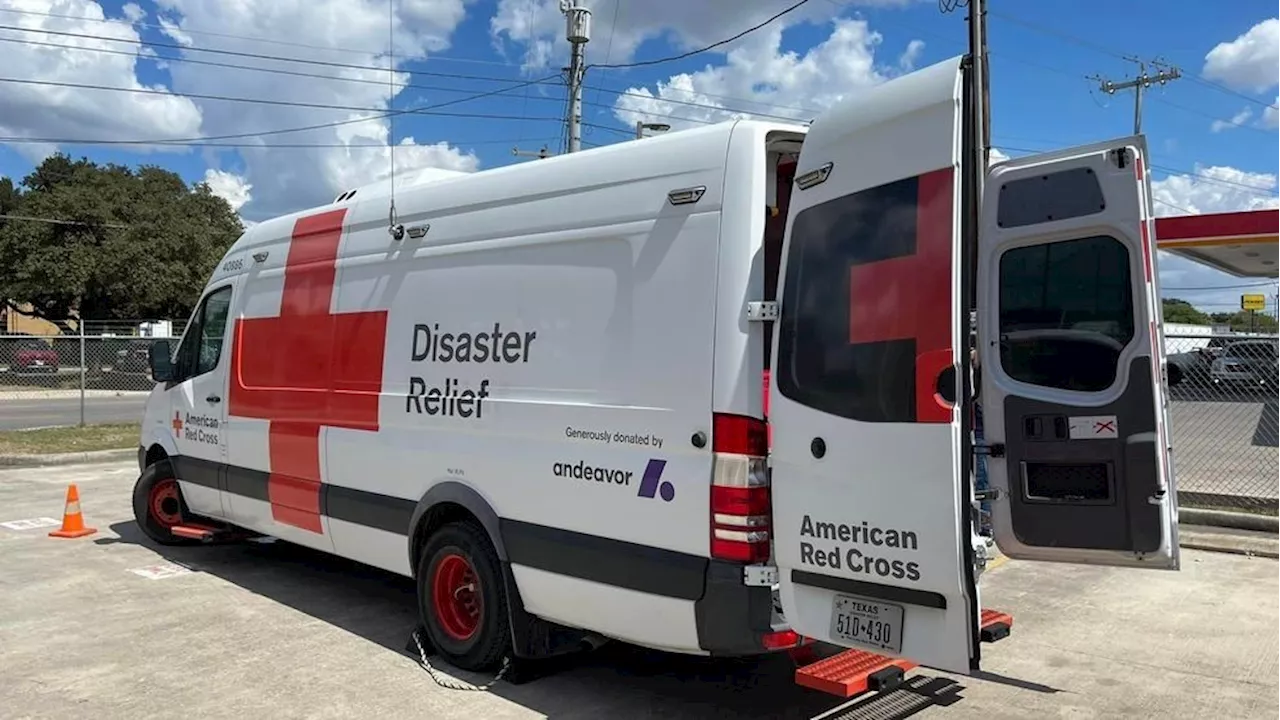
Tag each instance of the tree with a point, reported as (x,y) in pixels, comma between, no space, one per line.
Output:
(1181,311)
(1239,321)
(129,244)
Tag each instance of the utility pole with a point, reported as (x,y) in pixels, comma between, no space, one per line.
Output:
(578,33)
(981,85)
(1140,83)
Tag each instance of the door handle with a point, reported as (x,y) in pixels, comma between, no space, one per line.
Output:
(213,399)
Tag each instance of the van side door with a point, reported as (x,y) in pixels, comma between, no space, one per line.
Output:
(196,398)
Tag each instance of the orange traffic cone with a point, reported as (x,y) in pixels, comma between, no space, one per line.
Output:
(72,520)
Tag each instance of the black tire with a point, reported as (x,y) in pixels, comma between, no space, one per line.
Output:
(491,641)
(151,526)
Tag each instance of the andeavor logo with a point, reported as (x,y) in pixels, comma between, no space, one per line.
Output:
(651,482)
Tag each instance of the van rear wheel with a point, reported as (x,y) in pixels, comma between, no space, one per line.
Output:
(461,597)
(158,505)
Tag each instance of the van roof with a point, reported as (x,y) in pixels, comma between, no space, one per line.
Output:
(579,164)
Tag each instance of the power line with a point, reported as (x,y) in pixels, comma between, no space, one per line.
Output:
(699,51)
(254,56)
(263,101)
(305,128)
(1221,287)
(230,36)
(1114,53)
(552,80)
(251,68)
(16,140)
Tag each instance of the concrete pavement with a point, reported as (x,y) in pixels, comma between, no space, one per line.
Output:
(274,630)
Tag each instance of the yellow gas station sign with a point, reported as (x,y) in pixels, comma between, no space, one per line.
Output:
(1253,302)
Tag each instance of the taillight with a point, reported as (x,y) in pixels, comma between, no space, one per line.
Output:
(740,511)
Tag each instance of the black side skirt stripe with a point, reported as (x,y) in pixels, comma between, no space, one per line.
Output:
(604,560)
(588,557)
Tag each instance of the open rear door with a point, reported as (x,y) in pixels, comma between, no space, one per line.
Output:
(871,501)
(1071,360)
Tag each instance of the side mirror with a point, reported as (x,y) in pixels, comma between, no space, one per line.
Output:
(160,360)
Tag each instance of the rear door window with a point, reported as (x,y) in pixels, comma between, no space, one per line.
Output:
(834,354)
(1066,313)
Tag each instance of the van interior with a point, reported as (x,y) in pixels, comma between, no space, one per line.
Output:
(783,152)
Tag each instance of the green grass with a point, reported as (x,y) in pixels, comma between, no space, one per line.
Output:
(47,441)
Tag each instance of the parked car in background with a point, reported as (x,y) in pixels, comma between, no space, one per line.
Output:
(34,356)
(1246,363)
(1194,368)
(132,358)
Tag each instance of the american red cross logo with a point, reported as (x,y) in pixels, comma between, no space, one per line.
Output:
(909,296)
(306,369)
(177,424)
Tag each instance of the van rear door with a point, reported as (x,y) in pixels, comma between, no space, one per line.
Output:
(1069,342)
(870,490)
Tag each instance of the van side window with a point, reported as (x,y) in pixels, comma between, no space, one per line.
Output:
(1066,313)
(201,346)
(213,326)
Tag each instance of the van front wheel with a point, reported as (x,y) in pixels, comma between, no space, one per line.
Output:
(158,505)
(461,597)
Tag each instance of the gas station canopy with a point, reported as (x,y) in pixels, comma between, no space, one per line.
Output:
(1242,244)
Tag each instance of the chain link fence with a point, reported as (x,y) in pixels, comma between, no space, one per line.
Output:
(52,374)
(1222,409)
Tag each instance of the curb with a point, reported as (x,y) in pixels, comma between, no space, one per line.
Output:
(79,458)
(1235,542)
(1223,519)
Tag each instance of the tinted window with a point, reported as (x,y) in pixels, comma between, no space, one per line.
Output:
(213,325)
(867,290)
(202,343)
(1066,313)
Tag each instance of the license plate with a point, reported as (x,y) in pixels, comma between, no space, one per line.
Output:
(867,623)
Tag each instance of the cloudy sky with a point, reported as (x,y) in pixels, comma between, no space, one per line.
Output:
(280,104)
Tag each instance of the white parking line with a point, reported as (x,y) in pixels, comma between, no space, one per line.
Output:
(161,571)
(29,523)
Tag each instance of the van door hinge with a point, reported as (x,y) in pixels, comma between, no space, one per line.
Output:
(762,311)
(760,575)
(995,450)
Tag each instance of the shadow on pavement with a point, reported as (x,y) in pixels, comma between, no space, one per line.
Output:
(381,608)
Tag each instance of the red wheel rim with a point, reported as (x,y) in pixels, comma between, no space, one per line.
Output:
(455,593)
(165,504)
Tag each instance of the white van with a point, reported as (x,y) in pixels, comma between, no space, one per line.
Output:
(540,394)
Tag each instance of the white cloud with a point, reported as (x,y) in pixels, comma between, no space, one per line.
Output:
(229,186)
(1212,189)
(1237,120)
(283,179)
(133,12)
(761,78)
(1269,120)
(31,111)
(536,27)
(1250,62)
(286,179)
